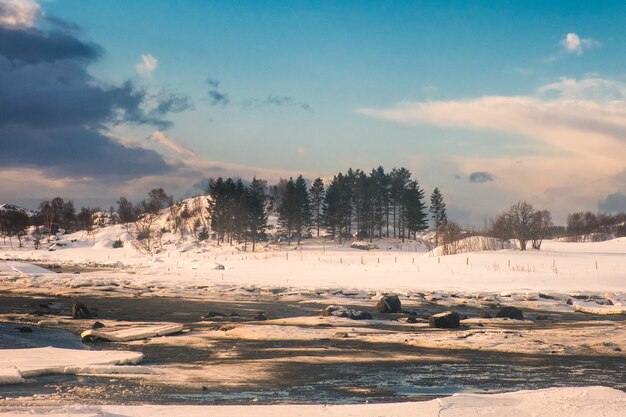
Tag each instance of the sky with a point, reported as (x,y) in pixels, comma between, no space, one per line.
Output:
(490,101)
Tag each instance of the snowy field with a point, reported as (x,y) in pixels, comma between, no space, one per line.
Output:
(573,296)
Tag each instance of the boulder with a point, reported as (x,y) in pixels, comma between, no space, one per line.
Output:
(260,316)
(80,311)
(411,320)
(97,325)
(511,313)
(337,311)
(445,320)
(484,315)
(389,304)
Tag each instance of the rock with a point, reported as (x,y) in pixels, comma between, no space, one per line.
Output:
(337,311)
(213,314)
(411,319)
(445,320)
(260,316)
(511,313)
(340,335)
(25,329)
(546,296)
(484,315)
(97,325)
(80,311)
(219,267)
(363,246)
(389,304)
(569,302)
(542,317)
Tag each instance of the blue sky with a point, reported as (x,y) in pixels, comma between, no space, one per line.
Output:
(451,90)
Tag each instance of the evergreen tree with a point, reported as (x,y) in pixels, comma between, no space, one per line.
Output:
(68,217)
(438,212)
(399,178)
(256,201)
(337,207)
(317,199)
(125,211)
(415,214)
(294,213)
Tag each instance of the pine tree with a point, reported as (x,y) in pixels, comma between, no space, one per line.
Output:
(415,213)
(337,206)
(255,201)
(287,210)
(399,178)
(438,212)
(317,199)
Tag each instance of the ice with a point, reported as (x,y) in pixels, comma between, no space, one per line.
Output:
(16,364)
(129,333)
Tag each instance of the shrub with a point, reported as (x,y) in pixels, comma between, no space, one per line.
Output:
(203,234)
(118,244)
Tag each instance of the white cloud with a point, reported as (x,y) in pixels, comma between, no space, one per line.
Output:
(164,140)
(578,126)
(19,13)
(574,44)
(147,65)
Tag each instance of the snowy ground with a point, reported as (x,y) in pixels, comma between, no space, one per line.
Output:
(573,296)
(575,402)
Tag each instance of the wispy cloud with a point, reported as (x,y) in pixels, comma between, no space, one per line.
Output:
(216,95)
(578,128)
(574,44)
(170,143)
(147,64)
(276,101)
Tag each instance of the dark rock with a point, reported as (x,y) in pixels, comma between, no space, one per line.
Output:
(349,313)
(97,325)
(542,317)
(234,314)
(219,267)
(389,304)
(411,319)
(25,329)
(546,296)
(445,320)
(602,301)
(484,315)
(46,306)
(213,314)
(569,302)
(511,313)
(80,311)
(204,388)
(260,316)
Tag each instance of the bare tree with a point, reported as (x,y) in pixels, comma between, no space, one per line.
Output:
(450,234)
(528,224)
(146,235)
(541,225)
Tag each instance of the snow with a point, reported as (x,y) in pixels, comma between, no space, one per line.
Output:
(129,333)
(17,364)
(553,402)
(588,273)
